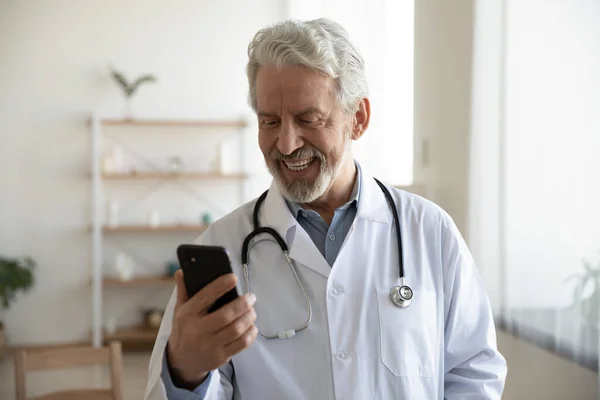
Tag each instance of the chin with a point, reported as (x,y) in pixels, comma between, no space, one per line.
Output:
(301,191)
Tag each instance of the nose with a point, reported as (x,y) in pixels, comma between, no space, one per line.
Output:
(289,139)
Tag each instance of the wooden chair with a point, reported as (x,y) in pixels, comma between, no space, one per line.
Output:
(26,361)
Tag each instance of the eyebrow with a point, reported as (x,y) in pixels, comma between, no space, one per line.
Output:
(266,114)
(311,110)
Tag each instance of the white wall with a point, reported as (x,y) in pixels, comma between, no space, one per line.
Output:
(552,143)
(53,72)
(443,51)
(485,173)
(533,198)
(534,190)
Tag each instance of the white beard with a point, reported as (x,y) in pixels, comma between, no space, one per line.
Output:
(303,191)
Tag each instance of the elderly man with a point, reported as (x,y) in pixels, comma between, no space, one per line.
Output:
(379,298)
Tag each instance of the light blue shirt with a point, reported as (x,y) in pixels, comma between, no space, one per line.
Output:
(175,393)
(327,238)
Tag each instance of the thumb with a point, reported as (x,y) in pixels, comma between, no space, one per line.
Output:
(182,295)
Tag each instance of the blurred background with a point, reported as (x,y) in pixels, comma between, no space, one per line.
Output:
(125,131)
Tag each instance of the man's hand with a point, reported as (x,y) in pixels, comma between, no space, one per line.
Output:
(200,342)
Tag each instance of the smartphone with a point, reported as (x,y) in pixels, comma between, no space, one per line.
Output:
(203,264)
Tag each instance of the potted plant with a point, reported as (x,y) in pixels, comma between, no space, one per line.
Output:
(16,275)
(129,88)
(588,281)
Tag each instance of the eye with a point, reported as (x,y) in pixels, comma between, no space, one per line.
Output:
(310,120)
(271,123)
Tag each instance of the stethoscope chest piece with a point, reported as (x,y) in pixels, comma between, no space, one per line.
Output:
(401,296)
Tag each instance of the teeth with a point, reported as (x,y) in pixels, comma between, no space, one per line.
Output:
(298,165)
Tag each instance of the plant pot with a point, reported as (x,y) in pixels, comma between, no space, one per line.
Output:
(153,318)
(128,109)
(2,341)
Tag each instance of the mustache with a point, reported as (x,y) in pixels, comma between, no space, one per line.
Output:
(306,151)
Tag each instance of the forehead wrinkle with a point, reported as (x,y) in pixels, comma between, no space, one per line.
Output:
(290,93)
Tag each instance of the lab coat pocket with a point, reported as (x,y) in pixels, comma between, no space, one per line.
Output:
(408,335)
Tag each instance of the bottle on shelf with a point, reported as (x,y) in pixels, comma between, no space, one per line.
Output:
(112,161)
(154,219)
(113,214)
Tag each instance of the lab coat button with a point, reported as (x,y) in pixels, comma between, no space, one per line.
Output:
(335,291)
(343,355)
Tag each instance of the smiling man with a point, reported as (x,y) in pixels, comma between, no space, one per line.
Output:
(306,136)
(360,291)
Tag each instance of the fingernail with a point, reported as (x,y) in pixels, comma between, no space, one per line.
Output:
(252,298)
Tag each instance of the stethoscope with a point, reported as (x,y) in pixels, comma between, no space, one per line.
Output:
(400,295)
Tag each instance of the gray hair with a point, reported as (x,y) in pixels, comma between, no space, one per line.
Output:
(320,44)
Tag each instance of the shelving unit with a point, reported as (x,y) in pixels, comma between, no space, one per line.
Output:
(139,281)
(165,176)
(99,178)
(148,229)
(135,335)
(239,123)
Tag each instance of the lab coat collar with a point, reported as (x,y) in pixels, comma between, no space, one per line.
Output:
(372,204)
(275,214)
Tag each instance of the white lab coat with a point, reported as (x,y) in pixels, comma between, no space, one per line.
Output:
(359,345)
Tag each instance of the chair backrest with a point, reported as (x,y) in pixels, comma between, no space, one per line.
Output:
(26,361)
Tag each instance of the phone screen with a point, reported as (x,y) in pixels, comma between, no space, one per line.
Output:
(201,265)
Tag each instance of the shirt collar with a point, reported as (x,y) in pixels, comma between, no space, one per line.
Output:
(296,208)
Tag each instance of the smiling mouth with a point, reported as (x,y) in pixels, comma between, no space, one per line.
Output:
(299,165)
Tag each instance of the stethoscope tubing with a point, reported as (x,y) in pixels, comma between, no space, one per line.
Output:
(401,295)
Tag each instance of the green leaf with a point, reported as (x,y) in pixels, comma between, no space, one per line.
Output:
(584,282)
(139,81)
(121,81)
(16,275)
(577,293)
(589,269)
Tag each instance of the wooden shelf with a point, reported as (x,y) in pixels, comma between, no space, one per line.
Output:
(135,334)
(147,229)
(165,175)
(176,123)
(140,281)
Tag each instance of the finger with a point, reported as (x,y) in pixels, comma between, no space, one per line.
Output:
(230,312)
(237,328)
(243,342)
(201,301)
(182,296)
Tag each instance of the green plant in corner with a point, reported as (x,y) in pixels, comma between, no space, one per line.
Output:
(16,275)
(589,305)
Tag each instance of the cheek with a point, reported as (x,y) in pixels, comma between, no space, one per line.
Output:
(325,141)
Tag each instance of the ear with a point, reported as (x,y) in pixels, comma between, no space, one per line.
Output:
(361,119)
